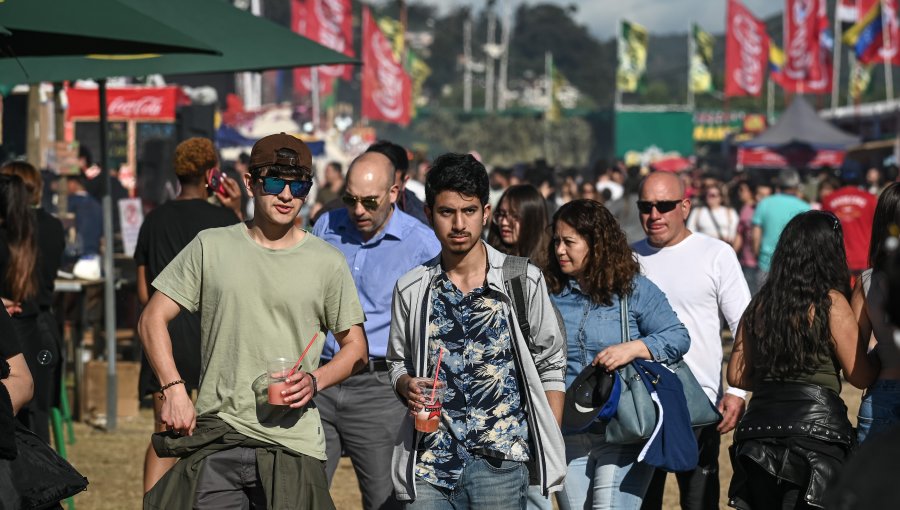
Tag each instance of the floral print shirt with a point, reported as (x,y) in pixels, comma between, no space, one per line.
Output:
(482,412)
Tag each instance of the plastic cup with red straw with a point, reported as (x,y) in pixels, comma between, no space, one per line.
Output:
(428,418)
(303,355)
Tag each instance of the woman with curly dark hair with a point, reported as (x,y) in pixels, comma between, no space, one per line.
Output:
(519,224)
(796,336)
(591,268)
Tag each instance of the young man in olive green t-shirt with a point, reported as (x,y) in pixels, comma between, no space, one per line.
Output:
(264,290)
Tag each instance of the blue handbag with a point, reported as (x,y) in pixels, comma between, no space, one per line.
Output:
(636,415)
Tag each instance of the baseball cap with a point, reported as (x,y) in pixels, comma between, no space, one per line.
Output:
(593,395)
(788,178)
(265,150)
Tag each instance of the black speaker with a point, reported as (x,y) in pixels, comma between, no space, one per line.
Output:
(195,120)
(156,178)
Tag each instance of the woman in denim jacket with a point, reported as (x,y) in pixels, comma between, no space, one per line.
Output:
(591,267)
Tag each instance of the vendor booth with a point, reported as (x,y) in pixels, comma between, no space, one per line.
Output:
(800,139)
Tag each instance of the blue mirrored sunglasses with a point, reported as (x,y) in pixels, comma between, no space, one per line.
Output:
(275,185)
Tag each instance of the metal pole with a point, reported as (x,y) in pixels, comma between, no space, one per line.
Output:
(836,57)
(618,100)
(690,89)
(314,74)
(109,294)
(489,62)
(886,43)
(467,74)
(504,60)
(548,73)
(770,102)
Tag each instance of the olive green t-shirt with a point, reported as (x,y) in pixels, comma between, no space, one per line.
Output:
(258,304)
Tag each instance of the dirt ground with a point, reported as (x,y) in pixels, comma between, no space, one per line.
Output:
(113,462)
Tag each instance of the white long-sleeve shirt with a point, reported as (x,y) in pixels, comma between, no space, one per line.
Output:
(703,281)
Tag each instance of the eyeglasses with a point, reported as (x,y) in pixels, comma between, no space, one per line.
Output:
(663,206)
(500,215)
(275,185)
(368,203)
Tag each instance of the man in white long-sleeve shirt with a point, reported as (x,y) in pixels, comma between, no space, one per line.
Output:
(702,279)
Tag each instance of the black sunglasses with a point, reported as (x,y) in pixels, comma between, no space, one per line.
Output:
(369,203)
(275,185)
(663,206)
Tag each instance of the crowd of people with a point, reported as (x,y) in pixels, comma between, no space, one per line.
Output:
(403,279)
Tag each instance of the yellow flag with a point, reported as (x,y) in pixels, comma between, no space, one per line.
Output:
(632,56)
(701,61)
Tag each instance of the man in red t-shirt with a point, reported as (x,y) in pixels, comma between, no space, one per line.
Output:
(855,208)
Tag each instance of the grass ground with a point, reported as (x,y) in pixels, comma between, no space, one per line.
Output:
(113,462)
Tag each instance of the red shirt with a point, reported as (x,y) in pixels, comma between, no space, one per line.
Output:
(855,208)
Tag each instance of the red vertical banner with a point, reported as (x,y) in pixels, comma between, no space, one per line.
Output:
(746,52)
(890,52)
(386,88)
(329,23)
(801,41)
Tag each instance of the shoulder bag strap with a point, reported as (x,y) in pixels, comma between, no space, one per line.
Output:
(515,272)
(623,313)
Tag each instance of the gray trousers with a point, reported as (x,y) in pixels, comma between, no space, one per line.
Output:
(361,417)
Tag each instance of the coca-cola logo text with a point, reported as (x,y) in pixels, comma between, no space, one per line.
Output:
(331,15)
(749,74)
(144,106)
(388,97)
(800,58)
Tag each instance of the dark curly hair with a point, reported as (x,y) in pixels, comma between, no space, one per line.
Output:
(193,157)
(461,173)
(529,206)
(610,267)
(809,262)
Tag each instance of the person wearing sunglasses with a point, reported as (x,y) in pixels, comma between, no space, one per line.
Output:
(702,279)
(264,289)
(361,416)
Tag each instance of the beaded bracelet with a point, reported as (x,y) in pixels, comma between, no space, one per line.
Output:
(162,396)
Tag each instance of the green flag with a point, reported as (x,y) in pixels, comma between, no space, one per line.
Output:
(632,56)
(701,61)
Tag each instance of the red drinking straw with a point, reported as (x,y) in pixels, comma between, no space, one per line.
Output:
(297,364)
(437,369)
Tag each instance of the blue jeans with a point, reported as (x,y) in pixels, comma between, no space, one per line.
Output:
(537,501)
(879,409)
(485,483)
(602,475)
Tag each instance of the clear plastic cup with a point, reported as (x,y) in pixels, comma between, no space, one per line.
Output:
(429,417)
(277,371)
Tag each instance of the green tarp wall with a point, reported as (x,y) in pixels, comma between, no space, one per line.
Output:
(670,131)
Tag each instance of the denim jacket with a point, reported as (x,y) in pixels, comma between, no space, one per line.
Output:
(591,327)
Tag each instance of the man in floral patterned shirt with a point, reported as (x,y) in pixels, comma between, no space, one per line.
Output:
(504,391)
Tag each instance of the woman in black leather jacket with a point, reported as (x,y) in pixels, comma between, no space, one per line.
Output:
(796,336)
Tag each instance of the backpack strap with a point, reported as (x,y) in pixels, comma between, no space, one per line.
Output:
(515,273)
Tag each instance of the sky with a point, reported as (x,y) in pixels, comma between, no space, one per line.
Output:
(659,16)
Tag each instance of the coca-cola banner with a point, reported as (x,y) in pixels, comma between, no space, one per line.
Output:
(329,23)
(386,88)
(801,40)
(812,67)
(131,103)
(746,52)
